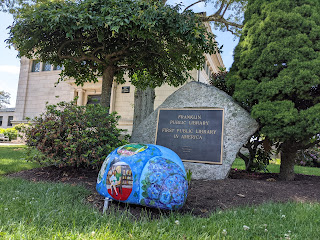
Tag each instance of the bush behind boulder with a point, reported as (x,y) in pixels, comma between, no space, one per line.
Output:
(70,135)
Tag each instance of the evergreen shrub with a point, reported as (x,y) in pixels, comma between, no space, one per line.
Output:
(70,135)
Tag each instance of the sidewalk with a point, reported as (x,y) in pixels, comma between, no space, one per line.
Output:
(12,143)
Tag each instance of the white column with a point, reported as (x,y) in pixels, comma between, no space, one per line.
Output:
(80,97)
(72,95)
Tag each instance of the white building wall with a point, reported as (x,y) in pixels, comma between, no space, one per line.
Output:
(37,88)
(22,88)
(4,117)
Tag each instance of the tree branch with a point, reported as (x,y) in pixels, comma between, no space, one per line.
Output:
(311,144)
(84,56)
(133,66)
(220,9)
(220,19)
(119,53)
(98,49)
(81,59)
(244,157)
(218,16)
(193,4)
(115,56)
(226,8)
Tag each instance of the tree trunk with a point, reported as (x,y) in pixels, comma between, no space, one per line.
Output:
(288,156)
(143,105)
(252,148)
(107,80)
(247,160)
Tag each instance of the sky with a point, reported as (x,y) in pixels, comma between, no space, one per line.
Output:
(10,63)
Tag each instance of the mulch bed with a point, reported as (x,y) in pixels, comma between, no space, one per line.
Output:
(204,197)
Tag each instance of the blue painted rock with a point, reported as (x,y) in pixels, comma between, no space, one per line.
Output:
(145,174)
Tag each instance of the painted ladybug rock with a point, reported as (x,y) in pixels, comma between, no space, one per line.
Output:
(145,174)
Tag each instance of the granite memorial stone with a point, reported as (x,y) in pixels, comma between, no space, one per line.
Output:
(238,125)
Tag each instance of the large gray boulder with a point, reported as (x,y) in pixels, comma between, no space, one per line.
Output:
(238,125)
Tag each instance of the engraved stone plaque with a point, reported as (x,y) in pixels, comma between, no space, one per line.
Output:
(195,134)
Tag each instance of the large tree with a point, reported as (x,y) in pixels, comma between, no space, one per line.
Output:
(150,42)
(227,16)
(276,73)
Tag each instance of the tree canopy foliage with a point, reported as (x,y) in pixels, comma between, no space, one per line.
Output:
(4,98)
(5,5)
(151,42)
(276,73)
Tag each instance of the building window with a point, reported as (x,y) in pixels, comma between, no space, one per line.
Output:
(59,67)
(93,99)
(1,118)
(35,66)
(46,66)
(10,118)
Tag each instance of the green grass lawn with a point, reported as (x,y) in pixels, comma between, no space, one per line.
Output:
(31,210)
(12,160)
(274,167)
(57,211)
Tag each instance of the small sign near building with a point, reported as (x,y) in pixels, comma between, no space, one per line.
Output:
(195,134)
